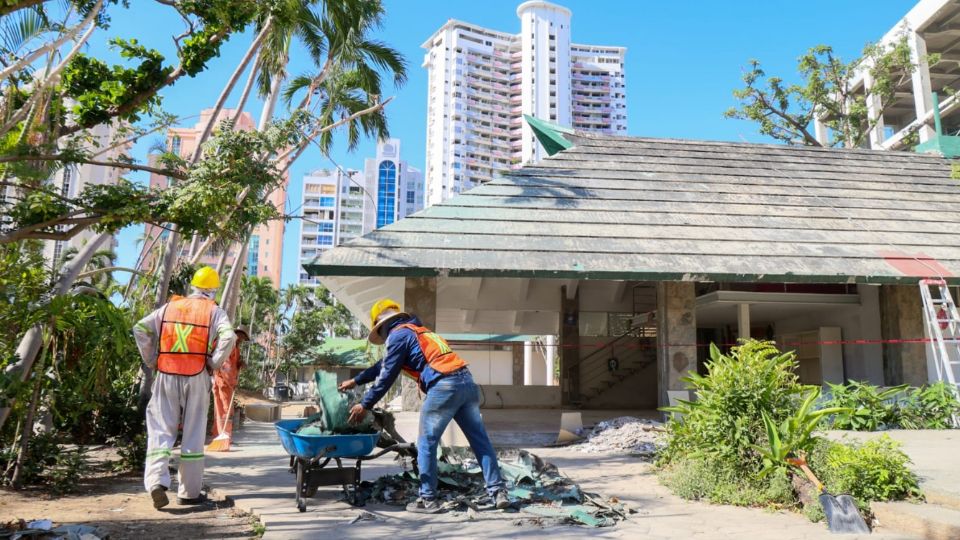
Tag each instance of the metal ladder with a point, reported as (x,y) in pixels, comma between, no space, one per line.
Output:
(942,320)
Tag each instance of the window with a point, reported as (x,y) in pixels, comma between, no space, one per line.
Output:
(175,145)
(253,255)
(328,189)
(325,240)
(325,227)
(328,201)
(411,197)
(386,193)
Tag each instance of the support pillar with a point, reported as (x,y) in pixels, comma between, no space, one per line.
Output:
(676,338)
(874,112)
(420,299)
(820,131)
(517,350)
(551,342)
(901,317)
(743,321)
(527,363)
(569,345)
(922,93)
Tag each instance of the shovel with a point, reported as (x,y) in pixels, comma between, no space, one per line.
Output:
(221,443)
(841,511)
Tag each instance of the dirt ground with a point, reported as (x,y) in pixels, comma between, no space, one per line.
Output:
(118,505)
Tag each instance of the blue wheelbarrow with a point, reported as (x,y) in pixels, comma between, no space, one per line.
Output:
(310,456)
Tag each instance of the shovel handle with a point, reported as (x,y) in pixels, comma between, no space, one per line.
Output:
(802,463)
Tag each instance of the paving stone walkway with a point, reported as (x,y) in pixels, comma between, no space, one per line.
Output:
(255,474)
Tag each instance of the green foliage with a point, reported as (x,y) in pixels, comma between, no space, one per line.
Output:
(786,111)
(697,478)
(67,469)
(866,408)
(933,406)
(794,436)
(876,470)
(725,423)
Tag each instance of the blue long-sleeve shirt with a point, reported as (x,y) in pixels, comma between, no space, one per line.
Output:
(403,349)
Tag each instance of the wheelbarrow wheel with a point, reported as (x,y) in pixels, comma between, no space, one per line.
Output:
(301,478)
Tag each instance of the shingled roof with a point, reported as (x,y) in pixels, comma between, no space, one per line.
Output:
(664,209)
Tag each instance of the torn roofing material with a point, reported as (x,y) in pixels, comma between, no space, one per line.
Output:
(660,209)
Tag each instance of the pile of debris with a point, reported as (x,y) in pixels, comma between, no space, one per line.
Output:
(534,486)
(628,435)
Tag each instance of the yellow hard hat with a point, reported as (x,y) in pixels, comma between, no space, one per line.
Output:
(206,278)
(381,312)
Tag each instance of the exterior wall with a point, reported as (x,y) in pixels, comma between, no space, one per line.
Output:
(332,207)
(489,367)
(266,241)
(394,189)
(520,397)
(481,82)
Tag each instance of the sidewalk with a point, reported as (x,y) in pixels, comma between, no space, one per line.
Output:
(255,475)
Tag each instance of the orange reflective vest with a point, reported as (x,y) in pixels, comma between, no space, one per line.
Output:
(185,336)
(436,351)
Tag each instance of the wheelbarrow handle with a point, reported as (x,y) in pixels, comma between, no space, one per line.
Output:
(802,463)
(392,448)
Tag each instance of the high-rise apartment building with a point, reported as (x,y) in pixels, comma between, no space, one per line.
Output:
(265,252)
(481,83)
(395,188)
(71,180)
(333,212)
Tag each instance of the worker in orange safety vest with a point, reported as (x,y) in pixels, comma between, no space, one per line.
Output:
(185,341)
(451,394)
(224,384)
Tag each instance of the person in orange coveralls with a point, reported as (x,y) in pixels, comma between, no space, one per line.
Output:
(224,383)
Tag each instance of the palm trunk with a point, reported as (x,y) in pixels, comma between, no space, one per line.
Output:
(223,259)
(16,480)
(30,343)
(232,287)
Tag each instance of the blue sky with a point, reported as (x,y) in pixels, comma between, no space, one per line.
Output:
(683,60)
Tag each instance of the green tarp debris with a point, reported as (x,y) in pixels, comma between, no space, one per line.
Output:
(535,487)
(334,409)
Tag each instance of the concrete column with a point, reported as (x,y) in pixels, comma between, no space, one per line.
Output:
(743,321)
(551,358)
(820,131)
(676,337)
(420,299)
(874,112)
(527,363)
(871,356)
(922,93)
(517,350)
(901,317)
(569,346)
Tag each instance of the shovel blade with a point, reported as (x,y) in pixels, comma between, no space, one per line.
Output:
(842,514)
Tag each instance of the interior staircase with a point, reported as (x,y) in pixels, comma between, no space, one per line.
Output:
(634,354)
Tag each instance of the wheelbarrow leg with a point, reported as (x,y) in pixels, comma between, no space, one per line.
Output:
(356,484)
(301,485)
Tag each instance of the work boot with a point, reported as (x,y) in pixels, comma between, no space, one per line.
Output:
(159,495)
(200,499)
(424,506)
(501,500)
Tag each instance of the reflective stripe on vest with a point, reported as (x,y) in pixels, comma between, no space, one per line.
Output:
(185,336)
(435,350)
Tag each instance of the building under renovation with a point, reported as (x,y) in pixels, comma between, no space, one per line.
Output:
(638,253)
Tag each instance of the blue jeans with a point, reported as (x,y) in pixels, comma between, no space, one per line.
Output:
(454,397)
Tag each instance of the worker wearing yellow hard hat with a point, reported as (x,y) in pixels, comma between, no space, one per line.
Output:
(184,341)
(451,394)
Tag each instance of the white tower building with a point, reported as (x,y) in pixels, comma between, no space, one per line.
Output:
(481,82)
(332,206)
(394,188)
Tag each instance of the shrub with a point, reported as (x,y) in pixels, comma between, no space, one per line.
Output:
(698,478)
(725,423)
(875,470)
(867,407)
(929,407)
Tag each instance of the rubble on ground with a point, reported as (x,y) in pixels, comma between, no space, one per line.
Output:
(534,486)
(628,435)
